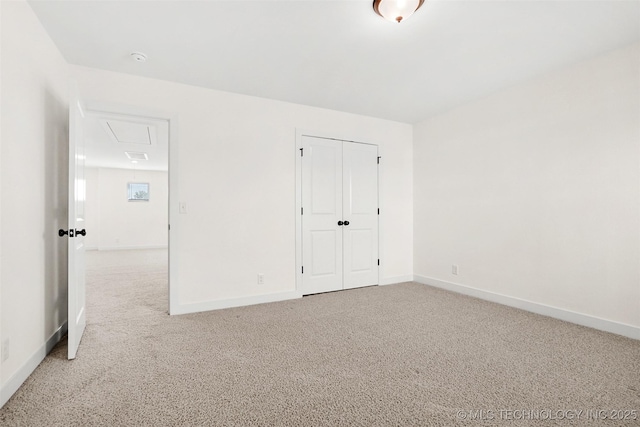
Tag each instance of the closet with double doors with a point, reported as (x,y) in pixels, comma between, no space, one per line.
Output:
(339,214)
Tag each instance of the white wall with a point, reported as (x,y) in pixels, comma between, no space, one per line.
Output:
(534,191)
(237,175)
(34,192)
(115,223)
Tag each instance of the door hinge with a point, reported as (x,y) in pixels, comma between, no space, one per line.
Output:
(379,159)
(378,261)
(302,269)
(301,152)
(301,211)
(378,211)
(169,226)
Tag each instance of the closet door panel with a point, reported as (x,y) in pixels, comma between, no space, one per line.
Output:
(360,209)
(322,239)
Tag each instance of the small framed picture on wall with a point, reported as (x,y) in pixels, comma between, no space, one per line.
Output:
(138,191)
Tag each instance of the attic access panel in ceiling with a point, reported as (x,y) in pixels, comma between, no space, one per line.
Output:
(124,132)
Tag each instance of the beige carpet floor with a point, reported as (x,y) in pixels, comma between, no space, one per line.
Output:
(400,355)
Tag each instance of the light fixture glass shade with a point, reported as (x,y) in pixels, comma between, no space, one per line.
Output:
(396,10)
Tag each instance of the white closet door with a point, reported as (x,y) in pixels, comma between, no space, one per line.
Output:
(360,209)
(322,209)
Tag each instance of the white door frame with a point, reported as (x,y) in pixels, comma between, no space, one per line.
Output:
(298,212)
(173,231)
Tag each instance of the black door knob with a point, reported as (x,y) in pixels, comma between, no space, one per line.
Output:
(346,223)
(62,232)
(340,222)
(81,232)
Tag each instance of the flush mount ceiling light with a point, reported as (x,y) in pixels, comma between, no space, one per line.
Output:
(396,10)
(138,57)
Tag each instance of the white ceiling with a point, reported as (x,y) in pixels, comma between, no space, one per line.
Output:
(340,54)
(109,136)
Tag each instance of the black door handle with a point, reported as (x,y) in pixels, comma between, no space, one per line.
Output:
(340,222)
(346,223)
(72,233)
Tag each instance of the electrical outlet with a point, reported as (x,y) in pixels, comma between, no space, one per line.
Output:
(260,279)
(5,350)
(454,269)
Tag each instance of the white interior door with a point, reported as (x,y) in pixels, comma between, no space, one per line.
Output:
(77,187)
(360,213)
(339,215)
(322,209)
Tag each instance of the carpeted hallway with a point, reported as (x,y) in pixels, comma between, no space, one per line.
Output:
(396,355)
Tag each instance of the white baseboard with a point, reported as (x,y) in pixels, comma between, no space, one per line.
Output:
(233,302)
(129,248)
(534,307)
(396,279)
(16,380)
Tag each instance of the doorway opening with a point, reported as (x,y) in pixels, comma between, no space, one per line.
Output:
(127,216)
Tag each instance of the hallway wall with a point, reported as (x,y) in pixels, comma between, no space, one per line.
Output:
(113,222)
